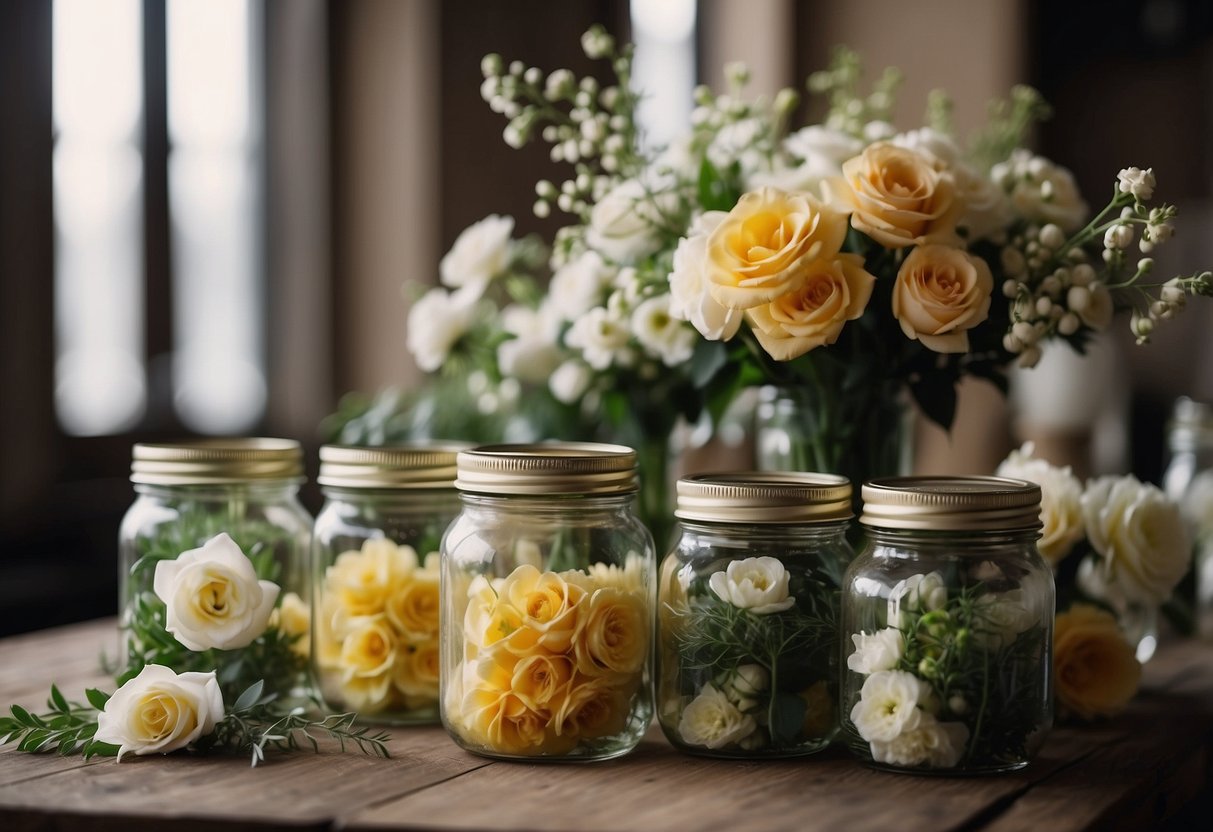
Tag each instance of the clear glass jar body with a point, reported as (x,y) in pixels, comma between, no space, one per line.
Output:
(375,590)
(546,627)
(1188,480)
(748,676)
(947,642)
(267,522)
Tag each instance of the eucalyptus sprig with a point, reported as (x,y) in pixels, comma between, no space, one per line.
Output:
(66,727)
(256,722)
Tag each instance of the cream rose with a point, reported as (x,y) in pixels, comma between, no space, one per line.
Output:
(1094,669)
(624,224)
(898,196)
(879,651)
(436,321)
(212,597)
(1060,501)
(1040,190)
(813,315)
(612,633)
(759,585)
(712,721)
(160,711)
(690,298)
(481,252)
(940,294)
(1139,534)
(760,250)
(931,743)
(888,705)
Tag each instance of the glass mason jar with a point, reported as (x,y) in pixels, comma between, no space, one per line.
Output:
(1188,481)
(227,508)
(947,627)
(375,578)
(546,608)
(747,635)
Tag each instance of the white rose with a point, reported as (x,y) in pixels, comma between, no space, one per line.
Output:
(160,711)
(743,685)
(738,142)
(879,651)
(932,743)
(987,209)
(917,593)
(532,354)
(759,585)
(888,705)
(711,720)
(481,252)
(1060,501)
(823,148)
(436,321)
(690,296)
(622,223)
(577,286)
(212,597)
(660,333)
(570,380)
(1140,535)
(999,617)
(940,145)
(600,335)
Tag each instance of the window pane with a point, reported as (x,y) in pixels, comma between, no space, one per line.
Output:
(100,379)
(664,68)
(214,198)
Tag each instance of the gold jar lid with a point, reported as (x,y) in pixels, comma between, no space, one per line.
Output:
(764,497)
(216,462)
(951,504)
(419,465)
(556,468)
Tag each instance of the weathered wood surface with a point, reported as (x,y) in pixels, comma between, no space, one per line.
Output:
(1147,769)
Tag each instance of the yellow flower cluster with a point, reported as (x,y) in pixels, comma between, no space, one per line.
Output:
(549,659)
(377,629)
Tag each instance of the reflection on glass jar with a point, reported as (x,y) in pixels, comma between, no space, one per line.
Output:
(213,563)
(1189,482)
(546,611)
(947,622)
(747,637)
(374,643)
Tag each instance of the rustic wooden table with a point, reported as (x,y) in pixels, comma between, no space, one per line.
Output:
(1148,769)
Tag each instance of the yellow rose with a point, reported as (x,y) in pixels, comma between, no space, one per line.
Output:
(834,292)
(369,650)
(1095,670)
(593,708)
(547,604)
(759,251)
(488,619)
(362,580)
(294,618)
(898,196)
(819,718)
(502,722)
(612,633)
(541,680)
(415,670)
(412,607)
(940,294)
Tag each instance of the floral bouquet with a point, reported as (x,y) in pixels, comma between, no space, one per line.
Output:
(213,654)
(848,261)
(1118,548)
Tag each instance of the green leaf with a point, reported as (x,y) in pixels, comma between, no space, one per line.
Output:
(26,718)
(57,702)
(250,696)
(709,357)
(787,716)
(97,698)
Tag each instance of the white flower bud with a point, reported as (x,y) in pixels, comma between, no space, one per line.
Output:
(565,203)
(1051,286)
(1136,181)
(532,76)
(570,150)
(619,123)
(1173,292)
(1011,344)
(1118,237)
(541,208)
(1029,358)
(1052,236)
(517,67)
(1047,191)
(488,89)
(557,153)
(1010,287)
(1158,309)
(1043,305)
(1146,246)
(1141,326)
(1025,332)
(609,163)
(1068,324)
(586,147)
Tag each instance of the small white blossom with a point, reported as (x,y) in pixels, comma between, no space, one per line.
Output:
(436,321)
(888,705)
(481,252)
(712,721)
(1136,181)
(570,380)
(1118,237)
(879,651)
(600,336)
(661,334)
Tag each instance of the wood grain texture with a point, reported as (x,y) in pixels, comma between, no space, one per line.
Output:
(1134,772)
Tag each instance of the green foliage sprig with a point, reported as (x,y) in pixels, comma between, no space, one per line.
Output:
(66,727)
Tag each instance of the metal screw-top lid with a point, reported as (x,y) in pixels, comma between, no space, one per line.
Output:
(555,468)
(764,497)
(1191,425)
(217,462)
(951,504)
(420,465)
